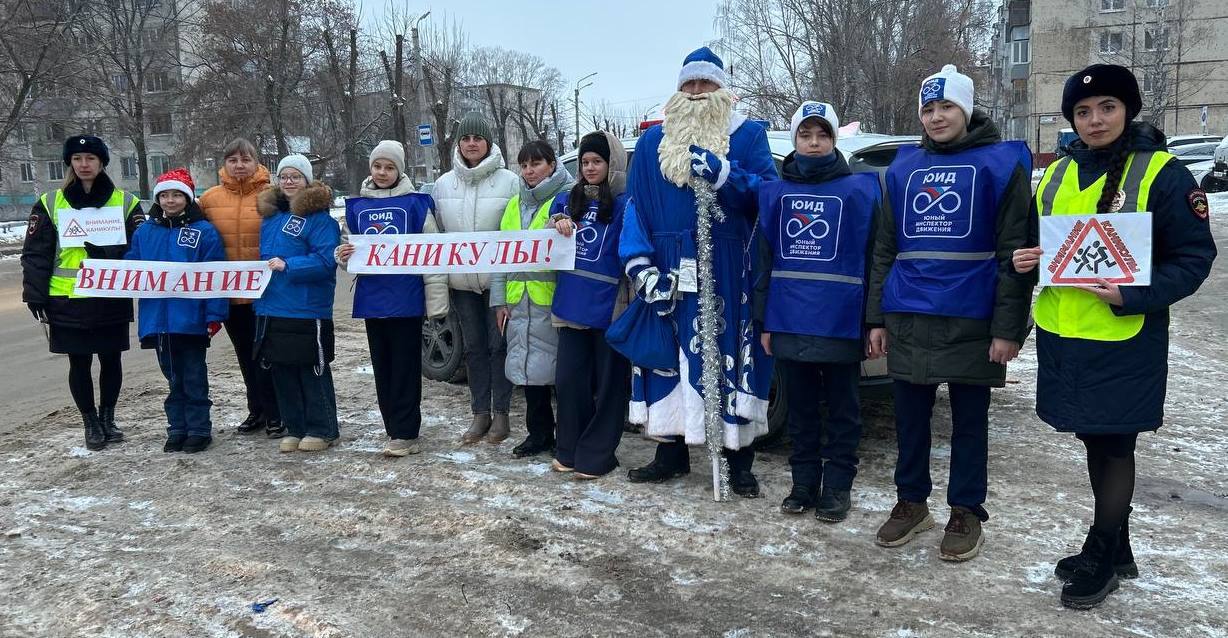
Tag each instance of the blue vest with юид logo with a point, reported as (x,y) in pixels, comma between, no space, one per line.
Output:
(382,296)
(946,213)
(586,295)
(818,235)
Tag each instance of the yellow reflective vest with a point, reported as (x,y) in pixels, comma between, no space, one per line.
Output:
(1075,313)
(68,260)
(540,284)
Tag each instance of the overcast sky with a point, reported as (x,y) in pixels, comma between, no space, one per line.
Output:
(635,46)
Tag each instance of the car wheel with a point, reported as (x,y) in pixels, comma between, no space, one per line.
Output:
(1211,184)
(443,349)
(778,416)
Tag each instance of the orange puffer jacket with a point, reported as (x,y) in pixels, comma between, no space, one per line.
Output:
(231,208)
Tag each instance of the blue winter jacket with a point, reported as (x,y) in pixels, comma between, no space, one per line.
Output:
(187,238)
(300,232)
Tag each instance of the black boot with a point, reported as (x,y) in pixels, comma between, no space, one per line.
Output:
(274,429)
(251,425)
(656,472)
(743,483)
(106,418)
(1123,561)
(196,443)
(95,438)
(533,446)
(174,442)
(1096,578)
(671,460)
(833,506)
(800,499)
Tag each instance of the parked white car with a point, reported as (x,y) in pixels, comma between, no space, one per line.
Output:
(1216,179)
(1177,141)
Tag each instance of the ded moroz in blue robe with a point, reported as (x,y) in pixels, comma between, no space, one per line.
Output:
(659,226)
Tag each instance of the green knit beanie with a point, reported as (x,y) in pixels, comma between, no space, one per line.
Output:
(474,123)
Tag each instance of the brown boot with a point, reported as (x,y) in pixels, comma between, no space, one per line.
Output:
(963,538)
(477,430)
(499,430)
(907,520)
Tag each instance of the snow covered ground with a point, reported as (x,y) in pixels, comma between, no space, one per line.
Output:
(12,232)
(131,542)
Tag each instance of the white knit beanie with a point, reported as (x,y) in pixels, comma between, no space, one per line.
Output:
(299,163)
(821,110)
(950,85)
(390,150)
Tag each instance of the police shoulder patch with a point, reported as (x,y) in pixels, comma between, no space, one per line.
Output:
(1198,203)
(32,225)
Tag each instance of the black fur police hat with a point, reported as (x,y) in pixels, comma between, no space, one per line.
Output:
(1102,79)
(86,144)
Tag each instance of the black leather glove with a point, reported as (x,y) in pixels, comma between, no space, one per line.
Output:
(95,252)
(39,310)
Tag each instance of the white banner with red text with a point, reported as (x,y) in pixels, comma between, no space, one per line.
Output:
(150,279)
(502,251)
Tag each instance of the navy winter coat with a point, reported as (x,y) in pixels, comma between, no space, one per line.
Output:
(1118,387)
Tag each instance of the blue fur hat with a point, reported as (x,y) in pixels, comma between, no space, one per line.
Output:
(702,64)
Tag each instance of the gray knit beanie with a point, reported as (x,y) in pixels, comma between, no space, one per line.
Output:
(476,124)
(390,150)
(298,162)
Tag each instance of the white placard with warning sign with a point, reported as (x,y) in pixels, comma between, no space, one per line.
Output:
(98,226)
(1082,249)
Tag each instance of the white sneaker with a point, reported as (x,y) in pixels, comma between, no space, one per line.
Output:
(402,447)
(288,444)
(314,444)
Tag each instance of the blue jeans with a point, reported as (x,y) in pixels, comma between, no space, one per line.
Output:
(306,400)
(187,405)
(914,405)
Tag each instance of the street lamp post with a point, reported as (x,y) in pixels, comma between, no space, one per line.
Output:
(428,166)
(580,85)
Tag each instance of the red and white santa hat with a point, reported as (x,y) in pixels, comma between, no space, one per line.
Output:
(176,179)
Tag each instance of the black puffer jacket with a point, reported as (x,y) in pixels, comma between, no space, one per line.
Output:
(930,349)
(38,258)
(809,348)
(1104,387)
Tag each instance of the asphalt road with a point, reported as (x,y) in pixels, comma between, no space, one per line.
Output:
(34,382)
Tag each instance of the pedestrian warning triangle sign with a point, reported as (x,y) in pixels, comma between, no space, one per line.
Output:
(75,230)
(1093,255)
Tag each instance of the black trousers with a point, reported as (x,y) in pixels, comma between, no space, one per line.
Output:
(969,480)
(539,413)
(261,397)
(396,360)
(676,454)
(593,383)
(308,401)
(823,453)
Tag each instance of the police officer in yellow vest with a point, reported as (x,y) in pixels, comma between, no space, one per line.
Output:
(58,239)
(522,300)
(1103,349)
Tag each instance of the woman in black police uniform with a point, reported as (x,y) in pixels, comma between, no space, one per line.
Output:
(1102,349)
(81,327)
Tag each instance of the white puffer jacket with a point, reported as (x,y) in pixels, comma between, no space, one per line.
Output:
(473,199)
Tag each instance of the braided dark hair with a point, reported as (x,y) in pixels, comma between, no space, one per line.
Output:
(1112,179)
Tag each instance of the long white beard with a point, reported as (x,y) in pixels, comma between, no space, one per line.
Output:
(702,122)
